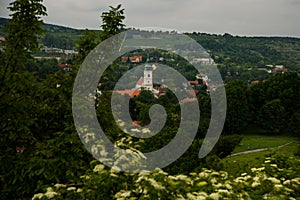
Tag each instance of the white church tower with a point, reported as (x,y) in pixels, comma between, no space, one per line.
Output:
(148,83)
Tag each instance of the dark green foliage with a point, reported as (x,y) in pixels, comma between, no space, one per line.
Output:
(237,114)
(23,33)
(37,137)
(293,125)
(226,145)
(275,103)
(273,116)
(62,42)
(189,161)
(112,22)
(232,51)
(85,44)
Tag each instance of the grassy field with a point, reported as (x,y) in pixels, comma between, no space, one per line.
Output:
(236,165)
(257,141)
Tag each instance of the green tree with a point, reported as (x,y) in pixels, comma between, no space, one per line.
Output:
(23,32)
(17,86)
(273,116)
(237,107)
(112,22)
(86,44)
(294,124)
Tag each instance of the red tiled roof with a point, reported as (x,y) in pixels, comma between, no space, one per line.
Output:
(63,65)
(140,81)
(136,123)
(131,93)
(187,100)
(196,82)
(136,93)
(136,58)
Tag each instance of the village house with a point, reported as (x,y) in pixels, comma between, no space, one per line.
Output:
(279,69)
(203,61)
(132,59)
(51,50)
(66,67)
(70,52)
(202,76)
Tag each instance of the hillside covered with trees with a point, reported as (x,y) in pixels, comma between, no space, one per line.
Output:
(227,50)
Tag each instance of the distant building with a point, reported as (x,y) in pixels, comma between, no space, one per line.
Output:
(131,93)
(188,100)
(203,77)
(148,83)
(136,59)
(196,82)
(70,51)
(145,82)
(255,81)
(204,61)
(52,50)
(66,67)
(139,83)
(124,58)
(279,69)
(132,59)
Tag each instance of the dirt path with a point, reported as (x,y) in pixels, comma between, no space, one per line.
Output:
(258,150)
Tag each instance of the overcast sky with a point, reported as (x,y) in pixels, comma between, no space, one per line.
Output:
(237,17)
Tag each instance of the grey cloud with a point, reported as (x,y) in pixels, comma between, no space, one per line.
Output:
(238,17)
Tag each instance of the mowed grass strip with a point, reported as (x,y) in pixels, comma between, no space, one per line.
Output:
(258,141)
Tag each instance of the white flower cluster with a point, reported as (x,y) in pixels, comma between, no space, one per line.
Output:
(49,194)
(265,182)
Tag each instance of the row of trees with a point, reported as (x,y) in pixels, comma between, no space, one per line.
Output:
(272,104)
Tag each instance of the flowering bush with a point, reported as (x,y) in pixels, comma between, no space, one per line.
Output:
(270,181)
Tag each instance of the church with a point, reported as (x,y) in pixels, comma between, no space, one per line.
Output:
(146,82)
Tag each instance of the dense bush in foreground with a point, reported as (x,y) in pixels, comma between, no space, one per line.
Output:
(277,178)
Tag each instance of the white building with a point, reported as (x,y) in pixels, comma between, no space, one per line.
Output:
(203,61)
(148,82)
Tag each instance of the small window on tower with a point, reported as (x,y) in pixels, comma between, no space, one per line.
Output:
(148,75)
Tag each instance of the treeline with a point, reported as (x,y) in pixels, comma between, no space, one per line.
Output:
(231,50)
(272,104)
(226,49)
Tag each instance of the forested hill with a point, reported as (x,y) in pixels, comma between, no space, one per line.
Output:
(258,51)
(227,50)
(56,36)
